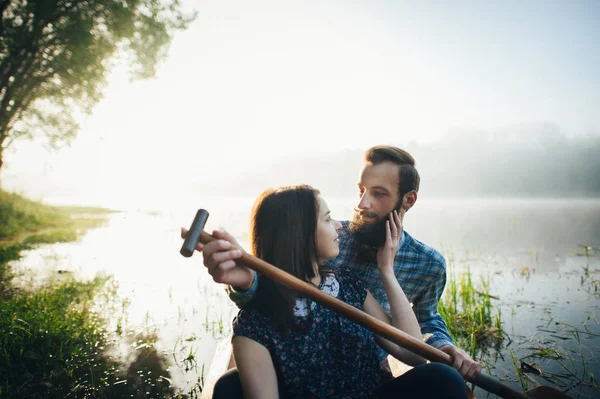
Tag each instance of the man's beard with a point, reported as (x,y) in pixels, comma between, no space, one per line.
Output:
(372,234)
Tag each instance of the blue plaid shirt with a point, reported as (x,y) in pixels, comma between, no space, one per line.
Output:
(420,269)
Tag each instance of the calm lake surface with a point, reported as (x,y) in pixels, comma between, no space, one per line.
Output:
(548,285)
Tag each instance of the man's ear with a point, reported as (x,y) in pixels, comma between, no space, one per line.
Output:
(409,200)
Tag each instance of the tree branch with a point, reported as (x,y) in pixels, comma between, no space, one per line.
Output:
(35,39)
(16,115)
(3,6)
(57,50)
(22,96)
(18,73)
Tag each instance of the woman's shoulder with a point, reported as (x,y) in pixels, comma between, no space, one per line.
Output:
(347,285)
(250,320)
(345,275)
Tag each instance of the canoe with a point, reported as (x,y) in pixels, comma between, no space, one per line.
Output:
(221,362)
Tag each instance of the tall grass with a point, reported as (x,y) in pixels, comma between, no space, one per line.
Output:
(49,342)
(469,314)
(54,341)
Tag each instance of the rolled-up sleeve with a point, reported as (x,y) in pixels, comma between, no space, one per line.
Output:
(240,298)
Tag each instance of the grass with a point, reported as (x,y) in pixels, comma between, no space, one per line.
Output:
(54,340)
(18,215)
(520,375)
(469,316)
(573,363)
(587,279)
(50,342)
(559,355)
(23,221)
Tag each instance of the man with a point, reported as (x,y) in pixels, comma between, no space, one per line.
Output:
(388,180)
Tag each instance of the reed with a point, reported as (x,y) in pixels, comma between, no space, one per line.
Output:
(469,315)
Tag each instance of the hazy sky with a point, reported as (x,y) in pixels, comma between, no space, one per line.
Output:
(255,80)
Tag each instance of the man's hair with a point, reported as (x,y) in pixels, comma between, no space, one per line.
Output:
(409,176)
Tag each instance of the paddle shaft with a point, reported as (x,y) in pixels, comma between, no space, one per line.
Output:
(371,323)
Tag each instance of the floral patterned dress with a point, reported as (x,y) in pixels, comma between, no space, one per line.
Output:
(331,358)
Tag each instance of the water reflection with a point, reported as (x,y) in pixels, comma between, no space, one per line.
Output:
(549,316)
(160,292)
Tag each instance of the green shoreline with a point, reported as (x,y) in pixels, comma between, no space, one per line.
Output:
(54,339)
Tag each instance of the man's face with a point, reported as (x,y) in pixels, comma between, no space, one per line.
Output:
(378,196)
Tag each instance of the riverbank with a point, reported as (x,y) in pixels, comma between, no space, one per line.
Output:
(25,224)
(54,339)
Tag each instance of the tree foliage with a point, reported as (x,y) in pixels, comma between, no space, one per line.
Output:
(55,56)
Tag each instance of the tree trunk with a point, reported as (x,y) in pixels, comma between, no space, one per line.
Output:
(2,148)
(1,162)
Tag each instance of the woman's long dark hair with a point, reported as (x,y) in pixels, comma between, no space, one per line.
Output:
(282,232)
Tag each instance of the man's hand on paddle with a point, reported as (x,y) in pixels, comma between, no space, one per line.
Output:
(466,366)
(220,258)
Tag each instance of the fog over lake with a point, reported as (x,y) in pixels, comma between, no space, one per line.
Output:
(533,160)
(536,160)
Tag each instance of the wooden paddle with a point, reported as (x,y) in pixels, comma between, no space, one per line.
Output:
(378,327)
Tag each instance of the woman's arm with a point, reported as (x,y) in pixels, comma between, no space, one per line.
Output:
(373,308)
(403,317)
(255,366)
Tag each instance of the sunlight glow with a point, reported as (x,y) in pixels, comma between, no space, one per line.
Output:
(251,82)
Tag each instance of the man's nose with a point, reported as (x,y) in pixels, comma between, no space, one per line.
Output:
(363,202)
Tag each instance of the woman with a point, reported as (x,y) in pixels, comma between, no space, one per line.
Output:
(288,346)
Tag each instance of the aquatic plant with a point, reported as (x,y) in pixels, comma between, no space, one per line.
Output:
(54,339)
(468,313)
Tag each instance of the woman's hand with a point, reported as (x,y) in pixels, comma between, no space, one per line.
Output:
(387,253)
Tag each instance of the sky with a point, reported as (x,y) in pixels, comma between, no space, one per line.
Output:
(252,82)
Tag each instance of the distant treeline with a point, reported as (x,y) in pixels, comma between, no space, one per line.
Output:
(540,163)
(546,164)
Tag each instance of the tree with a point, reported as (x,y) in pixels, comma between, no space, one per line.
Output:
(55,56)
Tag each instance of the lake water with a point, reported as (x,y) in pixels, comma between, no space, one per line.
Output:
(548,289)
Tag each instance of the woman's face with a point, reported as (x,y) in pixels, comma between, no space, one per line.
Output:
(327,233)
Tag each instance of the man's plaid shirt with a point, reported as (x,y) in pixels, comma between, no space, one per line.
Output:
(420,269)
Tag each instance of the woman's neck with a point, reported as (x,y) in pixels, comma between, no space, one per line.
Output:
(316,280)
